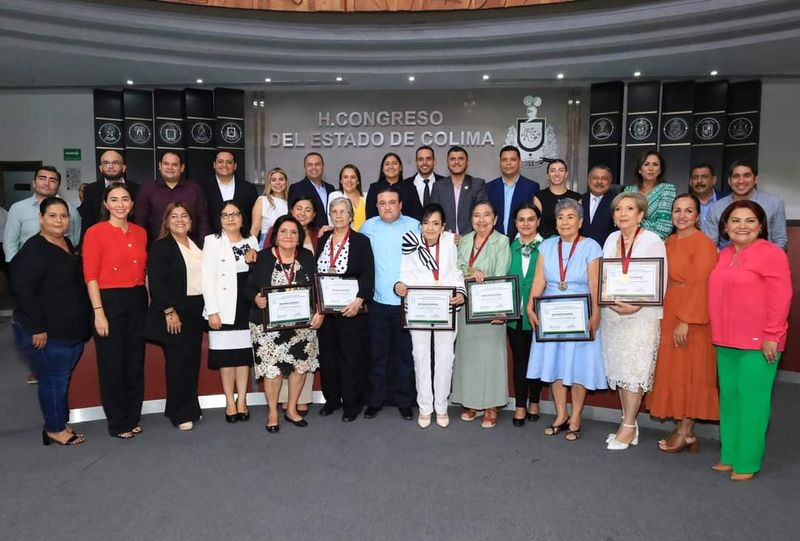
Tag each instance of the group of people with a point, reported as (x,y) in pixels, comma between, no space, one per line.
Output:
(193,258)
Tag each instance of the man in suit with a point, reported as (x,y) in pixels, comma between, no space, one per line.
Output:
(426,177)
(702,183)
(313,185)
(458,192)
(112,168)
(598,217)
(226,187)
(510,190)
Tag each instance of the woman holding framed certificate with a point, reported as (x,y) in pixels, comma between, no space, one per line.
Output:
(344,336)
(480,373)
(432,261)
(283,353)
(524,254)
(650,170)
(750,292)
(631,333)
(685,384)
(567,266)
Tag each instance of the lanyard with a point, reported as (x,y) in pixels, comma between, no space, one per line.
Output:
(335,256)
(290,273)
(473,255)
(626,257)
(562,268)
(436,259)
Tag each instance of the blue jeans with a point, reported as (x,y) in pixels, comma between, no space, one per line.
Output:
(53,365)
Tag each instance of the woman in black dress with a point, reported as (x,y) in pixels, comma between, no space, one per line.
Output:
(546,199)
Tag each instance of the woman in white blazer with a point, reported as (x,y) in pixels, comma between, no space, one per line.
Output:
(430,259)
(227,257)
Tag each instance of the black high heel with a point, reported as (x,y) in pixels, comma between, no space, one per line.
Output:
(301,423)
(73,440)
(243,416)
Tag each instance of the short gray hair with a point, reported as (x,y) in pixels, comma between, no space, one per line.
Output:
(342,201)
(569,204)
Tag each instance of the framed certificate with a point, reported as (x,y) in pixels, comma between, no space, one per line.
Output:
(495,298)
(288,307)
(335,292)
(642,285)
(428,309)
(563,318)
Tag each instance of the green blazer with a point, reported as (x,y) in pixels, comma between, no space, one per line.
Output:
(525,280)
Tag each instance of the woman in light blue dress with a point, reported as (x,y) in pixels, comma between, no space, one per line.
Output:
(575,365)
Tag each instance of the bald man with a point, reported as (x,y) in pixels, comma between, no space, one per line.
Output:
(112,169)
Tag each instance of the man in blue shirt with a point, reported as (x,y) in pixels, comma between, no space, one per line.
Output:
(23,217)
(510,190)
(391,344)
(702,183)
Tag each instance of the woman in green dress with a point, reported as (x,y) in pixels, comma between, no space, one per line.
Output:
(480,374)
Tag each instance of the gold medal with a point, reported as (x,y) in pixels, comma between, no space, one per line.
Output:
(562,286)
(470,270)
(624,278)
(332,270)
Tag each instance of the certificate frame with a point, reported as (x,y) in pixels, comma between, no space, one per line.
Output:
(614,266)
(328,309)
(474,317)
(287,325)
(450,325)
(572,336)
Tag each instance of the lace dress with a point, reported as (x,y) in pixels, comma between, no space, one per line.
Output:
(282,352)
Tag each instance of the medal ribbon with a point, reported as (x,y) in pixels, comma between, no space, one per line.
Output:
(290,273)
(562,268)
(335,258)
(626,257)
(435,270)
(473,255)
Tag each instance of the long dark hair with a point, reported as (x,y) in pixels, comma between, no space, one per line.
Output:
(381,176)
(165,220)
(104,214)
(754,207)
(232,203)
(640,163)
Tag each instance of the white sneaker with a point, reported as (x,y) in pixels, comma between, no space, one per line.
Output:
(442,420)
(424,421)
(188,425)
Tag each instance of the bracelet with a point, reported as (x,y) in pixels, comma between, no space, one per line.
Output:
(97,307)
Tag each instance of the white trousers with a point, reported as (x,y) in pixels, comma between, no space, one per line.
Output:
(433,397)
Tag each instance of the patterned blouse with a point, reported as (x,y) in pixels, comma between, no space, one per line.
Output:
(659,208)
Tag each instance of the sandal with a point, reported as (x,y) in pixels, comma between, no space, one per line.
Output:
(573,435)
(554,429)
(125,435)
(136,430)
(74,439)
(469,414)
(489,418)
(682,441)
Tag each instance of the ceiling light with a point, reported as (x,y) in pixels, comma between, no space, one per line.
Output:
(637,73)
(485,76)
(714,73)
(560,76)
(199,81)
(267,80)
(411,78)
(129,81)
(338,79)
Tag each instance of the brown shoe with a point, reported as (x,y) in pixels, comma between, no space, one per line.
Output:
(489,418)
(679,442)
(723,468)
(469,414)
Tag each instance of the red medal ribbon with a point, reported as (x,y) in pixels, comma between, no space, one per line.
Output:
(626,257)
(290,274)
(473,255)
(436,258)
(562,268)
(335,257)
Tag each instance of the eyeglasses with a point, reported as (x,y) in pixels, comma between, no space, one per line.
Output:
(230,215)
(106,164)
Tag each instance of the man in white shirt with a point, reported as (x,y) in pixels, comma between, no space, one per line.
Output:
(426,177)
(226,187)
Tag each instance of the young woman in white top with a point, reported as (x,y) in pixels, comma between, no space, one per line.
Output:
(272,204)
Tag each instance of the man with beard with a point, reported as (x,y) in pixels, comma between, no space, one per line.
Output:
(702,184)
(112,169)
(458,193)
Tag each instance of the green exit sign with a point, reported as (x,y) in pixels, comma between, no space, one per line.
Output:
(72,154)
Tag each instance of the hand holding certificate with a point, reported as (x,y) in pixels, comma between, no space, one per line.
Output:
(494,299)
(288,307)
(641,283)
(563,318)
(428,308)
(335,293)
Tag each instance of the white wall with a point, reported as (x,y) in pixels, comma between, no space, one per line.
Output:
(40,125)
(779,147)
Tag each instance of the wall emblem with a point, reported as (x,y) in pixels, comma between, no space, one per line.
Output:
(640,129)
(740,129)
(534,138)
(231,133)
(109,133)
(602,128)
(202,132)
(139,133)
(675,129)
(170,133)
(707,128)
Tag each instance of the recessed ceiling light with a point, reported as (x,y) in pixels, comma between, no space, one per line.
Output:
(267,80)
(129,81)
(714,73)
(338,79)
(560,76)
(199,81)
(637,73)
(485,76)
(411,78)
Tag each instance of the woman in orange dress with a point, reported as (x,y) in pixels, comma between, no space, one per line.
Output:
(685,386)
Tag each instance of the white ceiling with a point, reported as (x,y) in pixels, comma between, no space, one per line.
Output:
(85,43)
